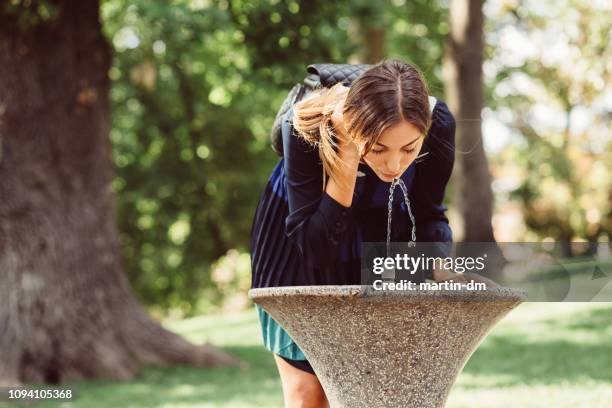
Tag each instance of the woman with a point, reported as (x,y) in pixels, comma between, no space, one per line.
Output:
(329,193)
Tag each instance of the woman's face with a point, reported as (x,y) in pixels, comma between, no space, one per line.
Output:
(395,150)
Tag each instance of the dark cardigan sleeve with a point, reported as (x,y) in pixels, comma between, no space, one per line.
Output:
(432,175)
(316,223)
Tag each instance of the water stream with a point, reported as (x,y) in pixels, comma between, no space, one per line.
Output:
(394,183)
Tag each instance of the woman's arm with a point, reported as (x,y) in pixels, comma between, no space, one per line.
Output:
(341,185)
(318,221)
(431,178)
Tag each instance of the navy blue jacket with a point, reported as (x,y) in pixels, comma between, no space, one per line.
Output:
(318,225)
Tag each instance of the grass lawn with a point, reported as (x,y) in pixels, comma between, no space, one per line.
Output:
(541,355)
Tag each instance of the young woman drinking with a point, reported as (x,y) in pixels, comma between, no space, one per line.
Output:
(343,146)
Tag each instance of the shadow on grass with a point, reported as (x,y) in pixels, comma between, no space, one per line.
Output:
(597,320)
(572,349)
(516,361)
(258,385)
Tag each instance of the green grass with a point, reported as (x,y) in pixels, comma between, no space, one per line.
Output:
(541,355)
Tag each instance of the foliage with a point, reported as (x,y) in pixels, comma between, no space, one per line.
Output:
(547,83)
(24,15)
(231,275)
(196,85)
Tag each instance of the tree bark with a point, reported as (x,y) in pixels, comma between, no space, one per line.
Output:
(463,76)
(66,309)
(374,45)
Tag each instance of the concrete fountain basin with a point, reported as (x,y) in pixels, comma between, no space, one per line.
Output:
(386,349)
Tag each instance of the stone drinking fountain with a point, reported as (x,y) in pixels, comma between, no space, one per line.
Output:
(386,349)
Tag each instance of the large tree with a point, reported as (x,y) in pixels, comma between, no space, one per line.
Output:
(464,89)
(66,308)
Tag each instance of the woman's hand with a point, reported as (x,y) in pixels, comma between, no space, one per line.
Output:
(344,141)
(341,185)
(337,120)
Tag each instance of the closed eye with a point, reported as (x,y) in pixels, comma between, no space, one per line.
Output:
(407,151)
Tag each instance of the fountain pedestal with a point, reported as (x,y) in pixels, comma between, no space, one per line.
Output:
(386,349)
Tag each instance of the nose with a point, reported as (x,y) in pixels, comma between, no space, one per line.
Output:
(394,163)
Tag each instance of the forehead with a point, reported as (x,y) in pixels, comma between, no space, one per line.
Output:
(399,135)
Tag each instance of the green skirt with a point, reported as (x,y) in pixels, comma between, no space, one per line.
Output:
(276,339)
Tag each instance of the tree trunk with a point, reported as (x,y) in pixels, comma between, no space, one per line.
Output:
(66,309)
(374,45)
(463,76)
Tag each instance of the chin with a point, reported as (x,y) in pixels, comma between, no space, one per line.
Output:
(388,179)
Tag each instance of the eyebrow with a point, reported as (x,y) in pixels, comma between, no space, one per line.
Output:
(406,145)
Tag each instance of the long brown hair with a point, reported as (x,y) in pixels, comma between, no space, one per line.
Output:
(381,97)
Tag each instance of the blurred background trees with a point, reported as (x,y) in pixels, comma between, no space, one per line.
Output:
(549,74)
(196,88)
(195,85)
(67,311)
